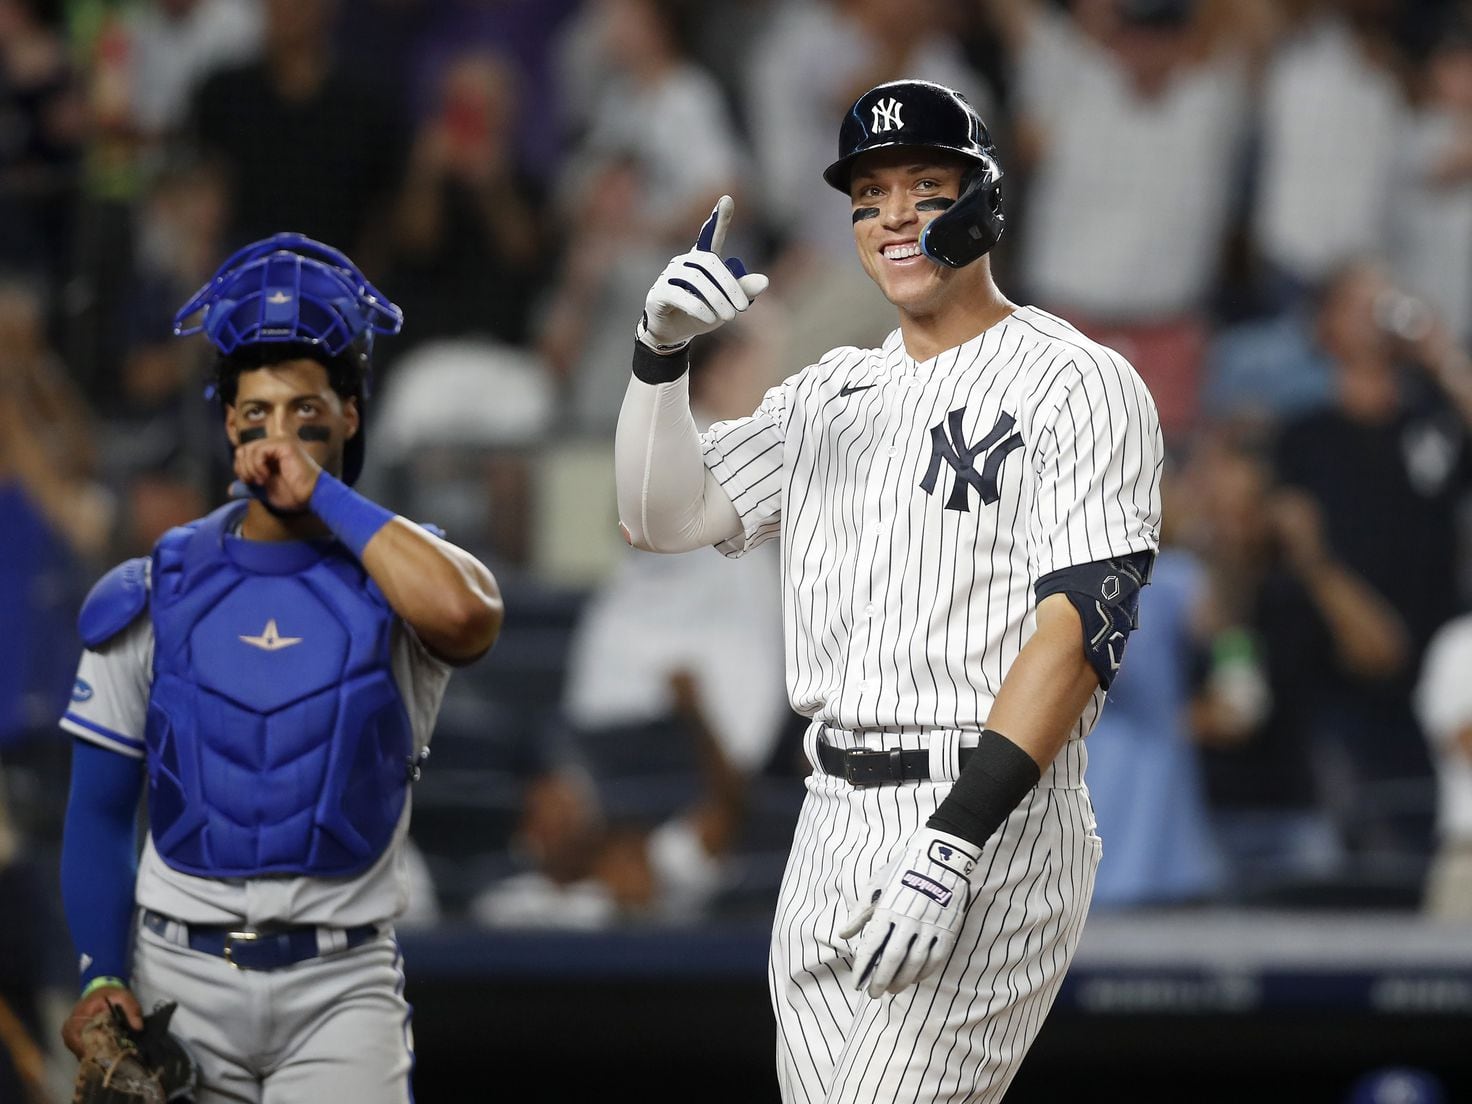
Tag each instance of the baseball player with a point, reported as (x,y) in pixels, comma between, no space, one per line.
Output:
(272,671)
(966,517)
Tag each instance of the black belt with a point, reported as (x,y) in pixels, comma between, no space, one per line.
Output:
(863,767)
(250,949)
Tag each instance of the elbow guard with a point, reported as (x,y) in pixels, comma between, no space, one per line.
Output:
(1106,594)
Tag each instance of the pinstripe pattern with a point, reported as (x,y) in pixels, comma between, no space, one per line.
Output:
(901,618)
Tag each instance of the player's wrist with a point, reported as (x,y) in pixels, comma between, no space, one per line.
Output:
(653,367)
(663,344)
(106,981)
(999,775)
(353,519)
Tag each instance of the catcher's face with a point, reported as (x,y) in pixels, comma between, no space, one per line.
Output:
(893,193)
(293,399)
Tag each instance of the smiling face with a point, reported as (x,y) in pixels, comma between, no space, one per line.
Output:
(293,399)
(892,193)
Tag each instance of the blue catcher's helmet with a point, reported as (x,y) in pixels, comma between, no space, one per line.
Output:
(920,113)
(292,290)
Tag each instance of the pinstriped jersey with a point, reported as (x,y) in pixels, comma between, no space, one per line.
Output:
(919,502)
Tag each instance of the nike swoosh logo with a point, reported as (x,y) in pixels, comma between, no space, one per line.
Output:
(849,389)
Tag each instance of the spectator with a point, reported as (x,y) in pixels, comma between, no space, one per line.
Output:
(524,33)
(1135,142)
(1431,215)
(469,251)
(661,615)
(1265,633)
(590,871)
(1381,474)
(1332,108)
(1444,705)
(675,656)
(1144,778)
(305,143)
(41,126)
(659,151)
(174,45)
(813,61)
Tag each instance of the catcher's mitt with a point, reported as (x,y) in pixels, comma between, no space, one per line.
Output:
(123,1066)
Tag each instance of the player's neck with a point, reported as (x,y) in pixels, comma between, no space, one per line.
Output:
(261,524)
(954,322)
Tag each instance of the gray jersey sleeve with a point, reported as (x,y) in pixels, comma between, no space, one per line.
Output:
(109,705)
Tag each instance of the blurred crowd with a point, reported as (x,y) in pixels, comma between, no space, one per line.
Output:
(1266,205)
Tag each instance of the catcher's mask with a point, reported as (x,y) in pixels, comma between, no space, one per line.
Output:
(289,289)
(919,113)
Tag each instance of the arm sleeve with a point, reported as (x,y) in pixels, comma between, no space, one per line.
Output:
(1097,457)
(667,500)
(99,859)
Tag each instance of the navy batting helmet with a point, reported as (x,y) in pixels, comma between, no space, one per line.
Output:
(919,113)
(292,291)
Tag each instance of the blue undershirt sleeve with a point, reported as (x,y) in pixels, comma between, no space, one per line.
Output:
(99,857)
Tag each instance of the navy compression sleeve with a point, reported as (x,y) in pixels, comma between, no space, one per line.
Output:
(99,857)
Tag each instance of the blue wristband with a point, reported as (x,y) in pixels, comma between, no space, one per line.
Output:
(353,519)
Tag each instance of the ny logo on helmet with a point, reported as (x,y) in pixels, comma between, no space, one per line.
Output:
(887,116)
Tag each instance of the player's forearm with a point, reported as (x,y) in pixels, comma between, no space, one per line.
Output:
(1037,706)
(667,500)
(99,862)
(448,597)
(1048,686)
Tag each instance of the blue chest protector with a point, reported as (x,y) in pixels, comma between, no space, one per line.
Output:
(277,740)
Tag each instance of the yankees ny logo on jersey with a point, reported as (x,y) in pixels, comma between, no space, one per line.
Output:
(887,116)
(962,457)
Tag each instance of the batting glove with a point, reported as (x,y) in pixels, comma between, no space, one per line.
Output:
(910,913)
(697,291)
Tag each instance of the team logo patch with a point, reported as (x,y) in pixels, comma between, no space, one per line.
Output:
(938,893)
(952,858)
(81,691)
(271,639)
(952,449)
(887,116)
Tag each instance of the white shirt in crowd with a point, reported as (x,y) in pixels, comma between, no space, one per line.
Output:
(1130,198)
(1431,224)
(1330,121)
(1444,706)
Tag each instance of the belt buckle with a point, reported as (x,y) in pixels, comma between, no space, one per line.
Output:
(863,768)
(233,937)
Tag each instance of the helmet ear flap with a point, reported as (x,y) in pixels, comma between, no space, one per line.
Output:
(973,224)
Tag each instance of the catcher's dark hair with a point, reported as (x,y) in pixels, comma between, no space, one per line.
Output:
(347,373)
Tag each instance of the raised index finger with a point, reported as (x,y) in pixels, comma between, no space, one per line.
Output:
(713,234)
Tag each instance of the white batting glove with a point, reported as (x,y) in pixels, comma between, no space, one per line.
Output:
(911,911)
(697,291)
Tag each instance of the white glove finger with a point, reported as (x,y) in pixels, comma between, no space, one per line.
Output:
(915,965)
(940,953)
(712,237)
(899,946)
(753,283)
(675,299)
(871,948)
(724,288)
(856,920)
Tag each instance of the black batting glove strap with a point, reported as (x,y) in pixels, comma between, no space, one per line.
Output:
(995,781)
(656,368)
